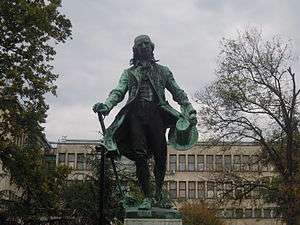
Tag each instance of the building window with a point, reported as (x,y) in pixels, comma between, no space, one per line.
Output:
(228,191)
(227,162)
(267,212)
(182,189)
(271,167)
(228,213)
(210,189)
(265,183)
(62,158)
(246,163)
(219,162)
(236,162)
(255,190)
(50,162)
(71,160)
(173,189)
(276,213)
(257,213)
(165,185)
(239,190)
(201,189)
(264,166)
(254,163)
(80,161)
(173,162)
(191,162)
(89,161)
(192,189)
(239,213)
(182,161)
(209,162)
(200,162)
(248,213)
(247,190)
(219,190)
(12,196)
(220,213)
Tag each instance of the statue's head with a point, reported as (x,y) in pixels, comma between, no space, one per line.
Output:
(142,49)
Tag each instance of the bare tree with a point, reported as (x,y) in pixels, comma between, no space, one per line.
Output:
(255,98)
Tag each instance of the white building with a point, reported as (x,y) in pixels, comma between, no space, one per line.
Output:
(196,174)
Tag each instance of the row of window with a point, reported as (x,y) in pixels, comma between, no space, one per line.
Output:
(216,163)
(183,162)
(9,195)
(210,189)
(77,161)
(249,213)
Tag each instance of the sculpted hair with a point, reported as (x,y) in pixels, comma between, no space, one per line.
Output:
(136,57)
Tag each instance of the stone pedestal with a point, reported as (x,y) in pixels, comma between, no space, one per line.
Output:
(149,221)
(155,216)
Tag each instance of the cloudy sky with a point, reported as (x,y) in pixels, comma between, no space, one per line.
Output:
(186,34)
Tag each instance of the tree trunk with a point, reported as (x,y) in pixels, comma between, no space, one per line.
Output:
(291,204)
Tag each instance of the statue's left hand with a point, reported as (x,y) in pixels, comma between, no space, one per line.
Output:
(193,119)
(190,113)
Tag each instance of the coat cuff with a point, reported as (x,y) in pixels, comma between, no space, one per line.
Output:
(109,105)
(187,109)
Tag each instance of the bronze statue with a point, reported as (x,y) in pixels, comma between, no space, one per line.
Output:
(138,131)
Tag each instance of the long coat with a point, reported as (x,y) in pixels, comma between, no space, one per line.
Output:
(161,78)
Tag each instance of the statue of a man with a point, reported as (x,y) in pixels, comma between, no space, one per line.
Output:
(138,131)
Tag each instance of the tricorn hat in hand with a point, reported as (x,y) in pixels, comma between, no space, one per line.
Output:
(184,135)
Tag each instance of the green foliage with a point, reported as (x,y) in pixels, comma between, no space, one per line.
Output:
(196,213)
(84,197)
(28,32)
(39,189)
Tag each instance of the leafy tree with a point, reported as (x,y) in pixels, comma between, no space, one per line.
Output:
(39,189)
(29,31)
(255,98)
(83,197)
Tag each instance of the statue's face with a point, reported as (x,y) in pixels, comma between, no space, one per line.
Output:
(144,48)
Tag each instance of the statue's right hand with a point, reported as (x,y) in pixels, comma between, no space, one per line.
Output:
(101,108)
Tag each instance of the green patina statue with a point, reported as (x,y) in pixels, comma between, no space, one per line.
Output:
(138,131)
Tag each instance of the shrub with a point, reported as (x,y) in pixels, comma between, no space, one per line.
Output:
(198,213)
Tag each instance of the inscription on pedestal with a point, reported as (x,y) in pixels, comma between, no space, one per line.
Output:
(154,216)
(155,213)
(144,213)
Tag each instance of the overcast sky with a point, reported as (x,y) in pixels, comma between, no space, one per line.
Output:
(186,34)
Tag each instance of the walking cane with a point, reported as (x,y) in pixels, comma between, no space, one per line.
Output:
(101,120)
(102,174)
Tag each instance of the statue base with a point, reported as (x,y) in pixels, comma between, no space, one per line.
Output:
(154,216)
(152,221)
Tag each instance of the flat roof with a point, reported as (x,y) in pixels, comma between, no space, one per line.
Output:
(92,141)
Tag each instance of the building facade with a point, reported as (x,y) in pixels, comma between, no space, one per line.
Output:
(200,174)
(211,174)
